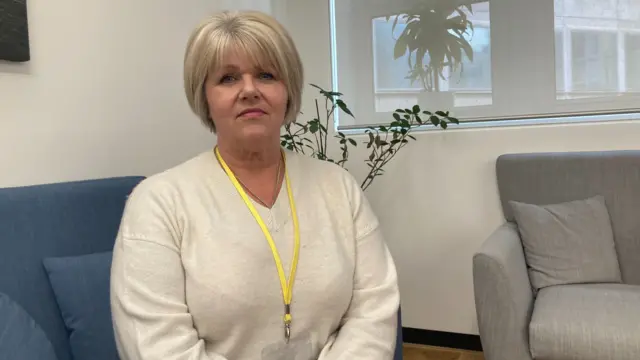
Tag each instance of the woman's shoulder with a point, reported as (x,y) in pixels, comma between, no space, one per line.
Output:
(320,170)
(328,176)
(176,179)
(339,187)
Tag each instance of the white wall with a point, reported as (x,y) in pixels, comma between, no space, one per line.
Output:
(102,95)
(438,200)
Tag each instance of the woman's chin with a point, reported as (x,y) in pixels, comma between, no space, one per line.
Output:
(257,133)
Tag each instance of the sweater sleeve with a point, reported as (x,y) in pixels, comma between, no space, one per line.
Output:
(368,329)
(151,319)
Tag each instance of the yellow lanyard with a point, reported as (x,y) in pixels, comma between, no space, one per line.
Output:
(287,287)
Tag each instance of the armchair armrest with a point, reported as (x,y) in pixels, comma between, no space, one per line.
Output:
(503,296)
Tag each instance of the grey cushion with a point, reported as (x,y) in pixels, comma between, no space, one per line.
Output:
(568,243)
(586,322)
(20,336)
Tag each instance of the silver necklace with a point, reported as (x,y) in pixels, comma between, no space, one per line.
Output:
(275,188)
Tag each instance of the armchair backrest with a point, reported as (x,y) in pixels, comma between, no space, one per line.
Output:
(549,178)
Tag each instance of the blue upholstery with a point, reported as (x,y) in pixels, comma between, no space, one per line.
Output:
(61,220)
(52,220)
(20,336)
(399,339)
(81,284)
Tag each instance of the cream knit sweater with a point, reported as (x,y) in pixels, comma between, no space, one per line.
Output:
(193,277)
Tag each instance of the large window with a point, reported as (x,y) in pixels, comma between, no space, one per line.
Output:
(594,60)
(515,58)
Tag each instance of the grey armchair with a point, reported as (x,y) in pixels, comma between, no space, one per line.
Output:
(582,320)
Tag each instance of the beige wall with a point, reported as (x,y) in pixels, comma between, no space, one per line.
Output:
(103,97)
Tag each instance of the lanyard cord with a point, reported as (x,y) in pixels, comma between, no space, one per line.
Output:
(287,286)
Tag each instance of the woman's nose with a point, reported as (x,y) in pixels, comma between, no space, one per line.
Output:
(249,89)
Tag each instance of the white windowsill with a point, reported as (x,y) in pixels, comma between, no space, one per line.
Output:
(591,119)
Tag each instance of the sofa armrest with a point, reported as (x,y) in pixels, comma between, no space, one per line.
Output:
(503,296)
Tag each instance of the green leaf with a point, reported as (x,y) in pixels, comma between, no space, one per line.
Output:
(344,107)
(416,109)
(400,47)
(443,124)
(396,116)
(353,142)
(371,139)
(434,120)
(322,91)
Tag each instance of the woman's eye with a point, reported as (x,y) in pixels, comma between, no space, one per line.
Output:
(266,76)
(226,79)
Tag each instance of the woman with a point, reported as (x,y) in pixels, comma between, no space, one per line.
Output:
(249,251)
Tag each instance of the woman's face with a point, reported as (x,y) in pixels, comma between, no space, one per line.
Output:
(246,102)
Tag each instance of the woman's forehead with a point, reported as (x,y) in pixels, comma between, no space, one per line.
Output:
(239,58)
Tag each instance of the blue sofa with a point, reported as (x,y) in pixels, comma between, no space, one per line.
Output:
(55,243)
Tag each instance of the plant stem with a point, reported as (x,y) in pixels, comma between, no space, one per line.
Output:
(329,113)
(293,138)
(318,141)
(384,158)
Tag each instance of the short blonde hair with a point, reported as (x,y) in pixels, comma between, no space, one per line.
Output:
(259,36)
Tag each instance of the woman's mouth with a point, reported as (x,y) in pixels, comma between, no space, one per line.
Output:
(252,113)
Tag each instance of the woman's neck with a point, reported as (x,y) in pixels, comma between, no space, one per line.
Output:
(253,160)
(260,172)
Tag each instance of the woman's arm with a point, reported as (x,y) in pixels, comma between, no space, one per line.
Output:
(368,329)
(150,316)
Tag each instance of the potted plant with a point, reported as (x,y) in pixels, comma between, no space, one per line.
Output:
(384,141)
(435,36)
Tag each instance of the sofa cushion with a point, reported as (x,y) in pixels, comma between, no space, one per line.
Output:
(568,243)
(587,322)
(81,287)
(20,336)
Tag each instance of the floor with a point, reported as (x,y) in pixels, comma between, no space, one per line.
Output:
(421,352)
